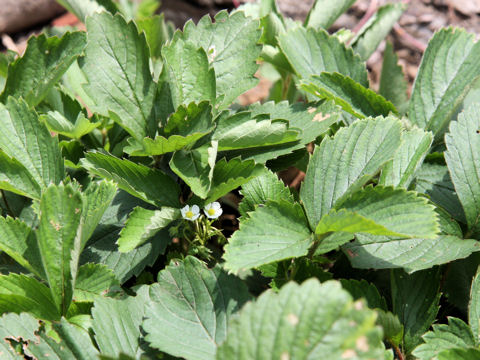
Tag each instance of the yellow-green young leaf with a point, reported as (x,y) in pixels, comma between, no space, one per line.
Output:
(311,52)
(463,147)
(84,8)
(342,165)
(276,231)
(143,224)
(241,131)
(474,307)
(110,315)
(415,301)
(393,83)
(400,171)
(324,12)
(116,65)
(376,29)
(308,321)
(195,303)
(456,334)
(156,31)
(150,185)
(262,189)
(229,175)
(392,328)
(20,293)
(187,76)
(231,46)
(196,167)
(16,178)
(24,138)
(351,96)
(93,280)
(458,353)
(44,62)
(18,241)
(448,70)
(59,241)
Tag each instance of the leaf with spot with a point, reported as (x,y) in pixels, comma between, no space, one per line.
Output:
(58,240)
(308,321)
(93,280)
(195,303)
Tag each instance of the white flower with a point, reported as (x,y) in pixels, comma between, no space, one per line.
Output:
(190,214)
(213,210)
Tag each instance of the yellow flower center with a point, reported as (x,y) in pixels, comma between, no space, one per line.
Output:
(189,214)
(211,212)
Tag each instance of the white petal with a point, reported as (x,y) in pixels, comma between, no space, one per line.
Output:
(195,217)
(216,205)
(195,209)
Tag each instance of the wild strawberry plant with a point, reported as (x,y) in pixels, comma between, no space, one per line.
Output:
(122,148)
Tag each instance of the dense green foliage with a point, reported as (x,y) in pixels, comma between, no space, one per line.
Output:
(121,147)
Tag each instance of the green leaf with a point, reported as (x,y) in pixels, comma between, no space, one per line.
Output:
(342,165)
(393,84)
(400,171)
(456,334)
(378,211)
(231,45)
(102,247)
(376,29)
(92,281)
(241,131)
(83,8)
(313,119)
(60,217)
(116,65)
(57,123)
(262,189)
(24,138)
(229,175)
(308,321)
(415,300)
(474,307)
(16,178)
(116,333)
(392,328)
(96,199)
(148,184)
(43,64)
(351,96)
(434,180)
(311,52)
(363,289)
(382,252)
(448,70)
(463,144)
(18,241)
(184,127)
(195,303)
(156,32)
(187,76)
(276,231)
(324,13)
(196,167)
(75,343)
(143,224)
(21,293)
(464,354)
